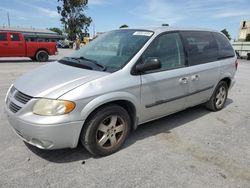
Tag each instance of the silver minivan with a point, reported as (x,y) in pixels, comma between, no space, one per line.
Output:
(120,80)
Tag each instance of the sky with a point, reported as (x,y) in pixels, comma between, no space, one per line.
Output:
(111,14)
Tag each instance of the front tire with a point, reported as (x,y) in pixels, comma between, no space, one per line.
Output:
(106,130)
(219,97)
(42,56)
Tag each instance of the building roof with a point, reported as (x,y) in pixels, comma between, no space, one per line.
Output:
(32,31)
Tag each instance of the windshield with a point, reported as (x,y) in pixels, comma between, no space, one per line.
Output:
(110,51)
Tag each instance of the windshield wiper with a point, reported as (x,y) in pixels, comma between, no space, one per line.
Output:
(103,68)
(72,62)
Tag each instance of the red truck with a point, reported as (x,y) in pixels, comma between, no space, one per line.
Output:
(13,44)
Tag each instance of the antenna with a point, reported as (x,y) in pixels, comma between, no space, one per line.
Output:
(8,16)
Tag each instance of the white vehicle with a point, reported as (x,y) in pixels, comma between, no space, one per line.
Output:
(242,49)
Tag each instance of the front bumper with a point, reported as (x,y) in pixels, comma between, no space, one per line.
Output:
(232,83)
(49,136)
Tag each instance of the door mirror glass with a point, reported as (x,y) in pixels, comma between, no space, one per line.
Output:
(149,64)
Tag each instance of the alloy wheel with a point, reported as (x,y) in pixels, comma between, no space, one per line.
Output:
(220,97)
(110,131)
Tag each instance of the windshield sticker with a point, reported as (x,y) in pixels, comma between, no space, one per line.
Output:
(143,33)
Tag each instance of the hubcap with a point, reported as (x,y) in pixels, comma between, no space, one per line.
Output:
(42,56)
(220,97)
(110,131)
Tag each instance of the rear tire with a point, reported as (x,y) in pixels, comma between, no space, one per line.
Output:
(42,56)
(219,97)
(106,130)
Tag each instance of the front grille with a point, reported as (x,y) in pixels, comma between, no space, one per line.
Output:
(21,97)
(16,100)
(13,107)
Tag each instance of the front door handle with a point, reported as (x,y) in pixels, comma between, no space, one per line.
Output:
(183,80)
(195,77)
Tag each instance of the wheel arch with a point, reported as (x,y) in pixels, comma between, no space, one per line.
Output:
(41,49)
(227,80)
(123,99)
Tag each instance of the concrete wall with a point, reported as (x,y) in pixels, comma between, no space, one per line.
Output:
(244,30)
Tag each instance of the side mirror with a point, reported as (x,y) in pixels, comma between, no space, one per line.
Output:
(148,65)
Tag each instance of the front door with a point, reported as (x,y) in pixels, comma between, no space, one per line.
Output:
(16,45)
(164,91)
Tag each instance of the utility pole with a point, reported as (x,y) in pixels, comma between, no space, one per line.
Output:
(8,16)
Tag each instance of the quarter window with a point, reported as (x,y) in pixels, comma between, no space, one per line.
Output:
(225,48)
(168,49)
(200,46)
(3,36)
(14,37)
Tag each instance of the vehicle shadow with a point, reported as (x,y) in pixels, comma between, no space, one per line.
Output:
(61,155)
(166,124)
(146,130)
(228,102)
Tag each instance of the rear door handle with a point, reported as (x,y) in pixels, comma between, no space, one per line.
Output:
(195,77)
(183,80)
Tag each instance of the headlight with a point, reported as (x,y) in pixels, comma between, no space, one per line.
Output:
(51,107)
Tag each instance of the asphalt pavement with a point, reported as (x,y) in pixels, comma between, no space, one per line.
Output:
(192,148)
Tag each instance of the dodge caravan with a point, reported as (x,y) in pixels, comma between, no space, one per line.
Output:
(122,79)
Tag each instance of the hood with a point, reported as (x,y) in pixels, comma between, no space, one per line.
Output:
(55,79)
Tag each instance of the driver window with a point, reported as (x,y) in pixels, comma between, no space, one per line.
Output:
(168,49)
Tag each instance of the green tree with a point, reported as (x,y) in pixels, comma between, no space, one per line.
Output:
(73,17)
(248,37)
(57,30)
(225,32)
(123,26)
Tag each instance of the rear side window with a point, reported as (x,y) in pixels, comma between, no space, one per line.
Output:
(14,37)
(201,47)
(225,48)
(3,36)
(30,39)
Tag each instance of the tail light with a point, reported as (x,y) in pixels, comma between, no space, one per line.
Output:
(236,64)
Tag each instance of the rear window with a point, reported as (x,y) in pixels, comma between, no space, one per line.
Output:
(3,36)
(225,48)
(14,37)
(200,46)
